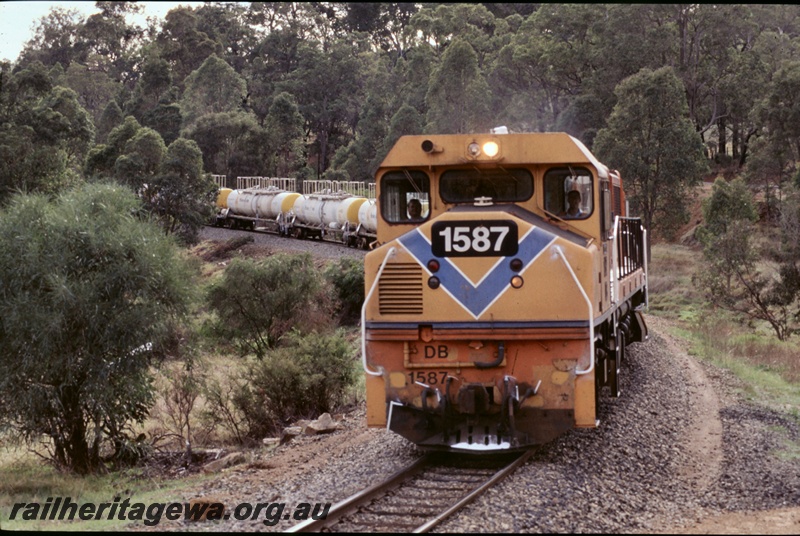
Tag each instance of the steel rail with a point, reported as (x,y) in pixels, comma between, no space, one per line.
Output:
(471,496)
(350,504)
(362,498)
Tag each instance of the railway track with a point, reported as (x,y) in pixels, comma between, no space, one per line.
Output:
(418,497)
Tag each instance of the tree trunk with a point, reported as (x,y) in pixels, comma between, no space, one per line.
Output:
(75,445)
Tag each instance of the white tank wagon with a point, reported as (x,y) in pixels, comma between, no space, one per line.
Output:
(255,208)
(329,216)
(366,232)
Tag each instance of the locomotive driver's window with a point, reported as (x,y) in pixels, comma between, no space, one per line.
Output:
(568,193)
(405,196)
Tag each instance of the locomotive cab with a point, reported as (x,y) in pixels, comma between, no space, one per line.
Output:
(496,314)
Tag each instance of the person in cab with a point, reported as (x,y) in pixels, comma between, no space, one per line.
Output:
(573,211)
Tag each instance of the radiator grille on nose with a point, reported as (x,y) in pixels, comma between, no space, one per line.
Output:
(400,289)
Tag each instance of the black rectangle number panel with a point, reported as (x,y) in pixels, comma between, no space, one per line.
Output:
(481,238)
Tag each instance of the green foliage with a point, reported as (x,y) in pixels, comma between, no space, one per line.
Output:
(181,195)
(309,375)
(141,159)
(95,88)
(182,44)
(458,94)
(406,121)
(44,133)
(284,125)
(110,119)
(549,67)
(214,88)
(256,302)
(170,180)
(90,297)
(728,202)
(327,85)
(102,158)
(346,276)
(651,140)
(232,143)
(733,278)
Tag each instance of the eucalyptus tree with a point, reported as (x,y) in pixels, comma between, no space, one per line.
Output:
(154,100)
(215,87)
(101,159)
(458,95)
(740,278)
(440,25)
(777,150)
(181,195)
(328,87)
(141,159)
(406,121)
(182,43)
(387,23)
(92,297)
(544,66)
(232,143)
(169,179)
(45,133)
(714,40)
(94,88)
(651,140)
(284,130)
(55,40)
(622,40)
(109,119)
(362,156)
(111,41)
(226,23)
(273,60)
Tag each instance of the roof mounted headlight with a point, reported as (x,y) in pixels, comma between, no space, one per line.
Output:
(485,150)
(490,149)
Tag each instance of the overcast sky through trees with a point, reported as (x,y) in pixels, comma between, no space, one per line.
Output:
(18,19)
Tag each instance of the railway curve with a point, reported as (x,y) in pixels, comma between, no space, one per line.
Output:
(682,451)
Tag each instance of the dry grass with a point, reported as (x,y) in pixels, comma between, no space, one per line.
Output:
(670,279)
(718,335)
(769,353)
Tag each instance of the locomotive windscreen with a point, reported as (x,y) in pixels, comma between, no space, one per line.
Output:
(502,185)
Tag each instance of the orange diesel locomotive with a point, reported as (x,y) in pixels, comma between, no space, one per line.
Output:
(506,282)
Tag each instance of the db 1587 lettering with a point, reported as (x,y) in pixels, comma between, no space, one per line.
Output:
(484,238)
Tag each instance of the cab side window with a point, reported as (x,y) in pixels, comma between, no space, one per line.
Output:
(405,196)
(568,193)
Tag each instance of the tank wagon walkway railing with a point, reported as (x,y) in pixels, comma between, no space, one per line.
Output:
(356,188)
(283,183)
(220,180)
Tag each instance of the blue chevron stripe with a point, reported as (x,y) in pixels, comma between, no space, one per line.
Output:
(476,298)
